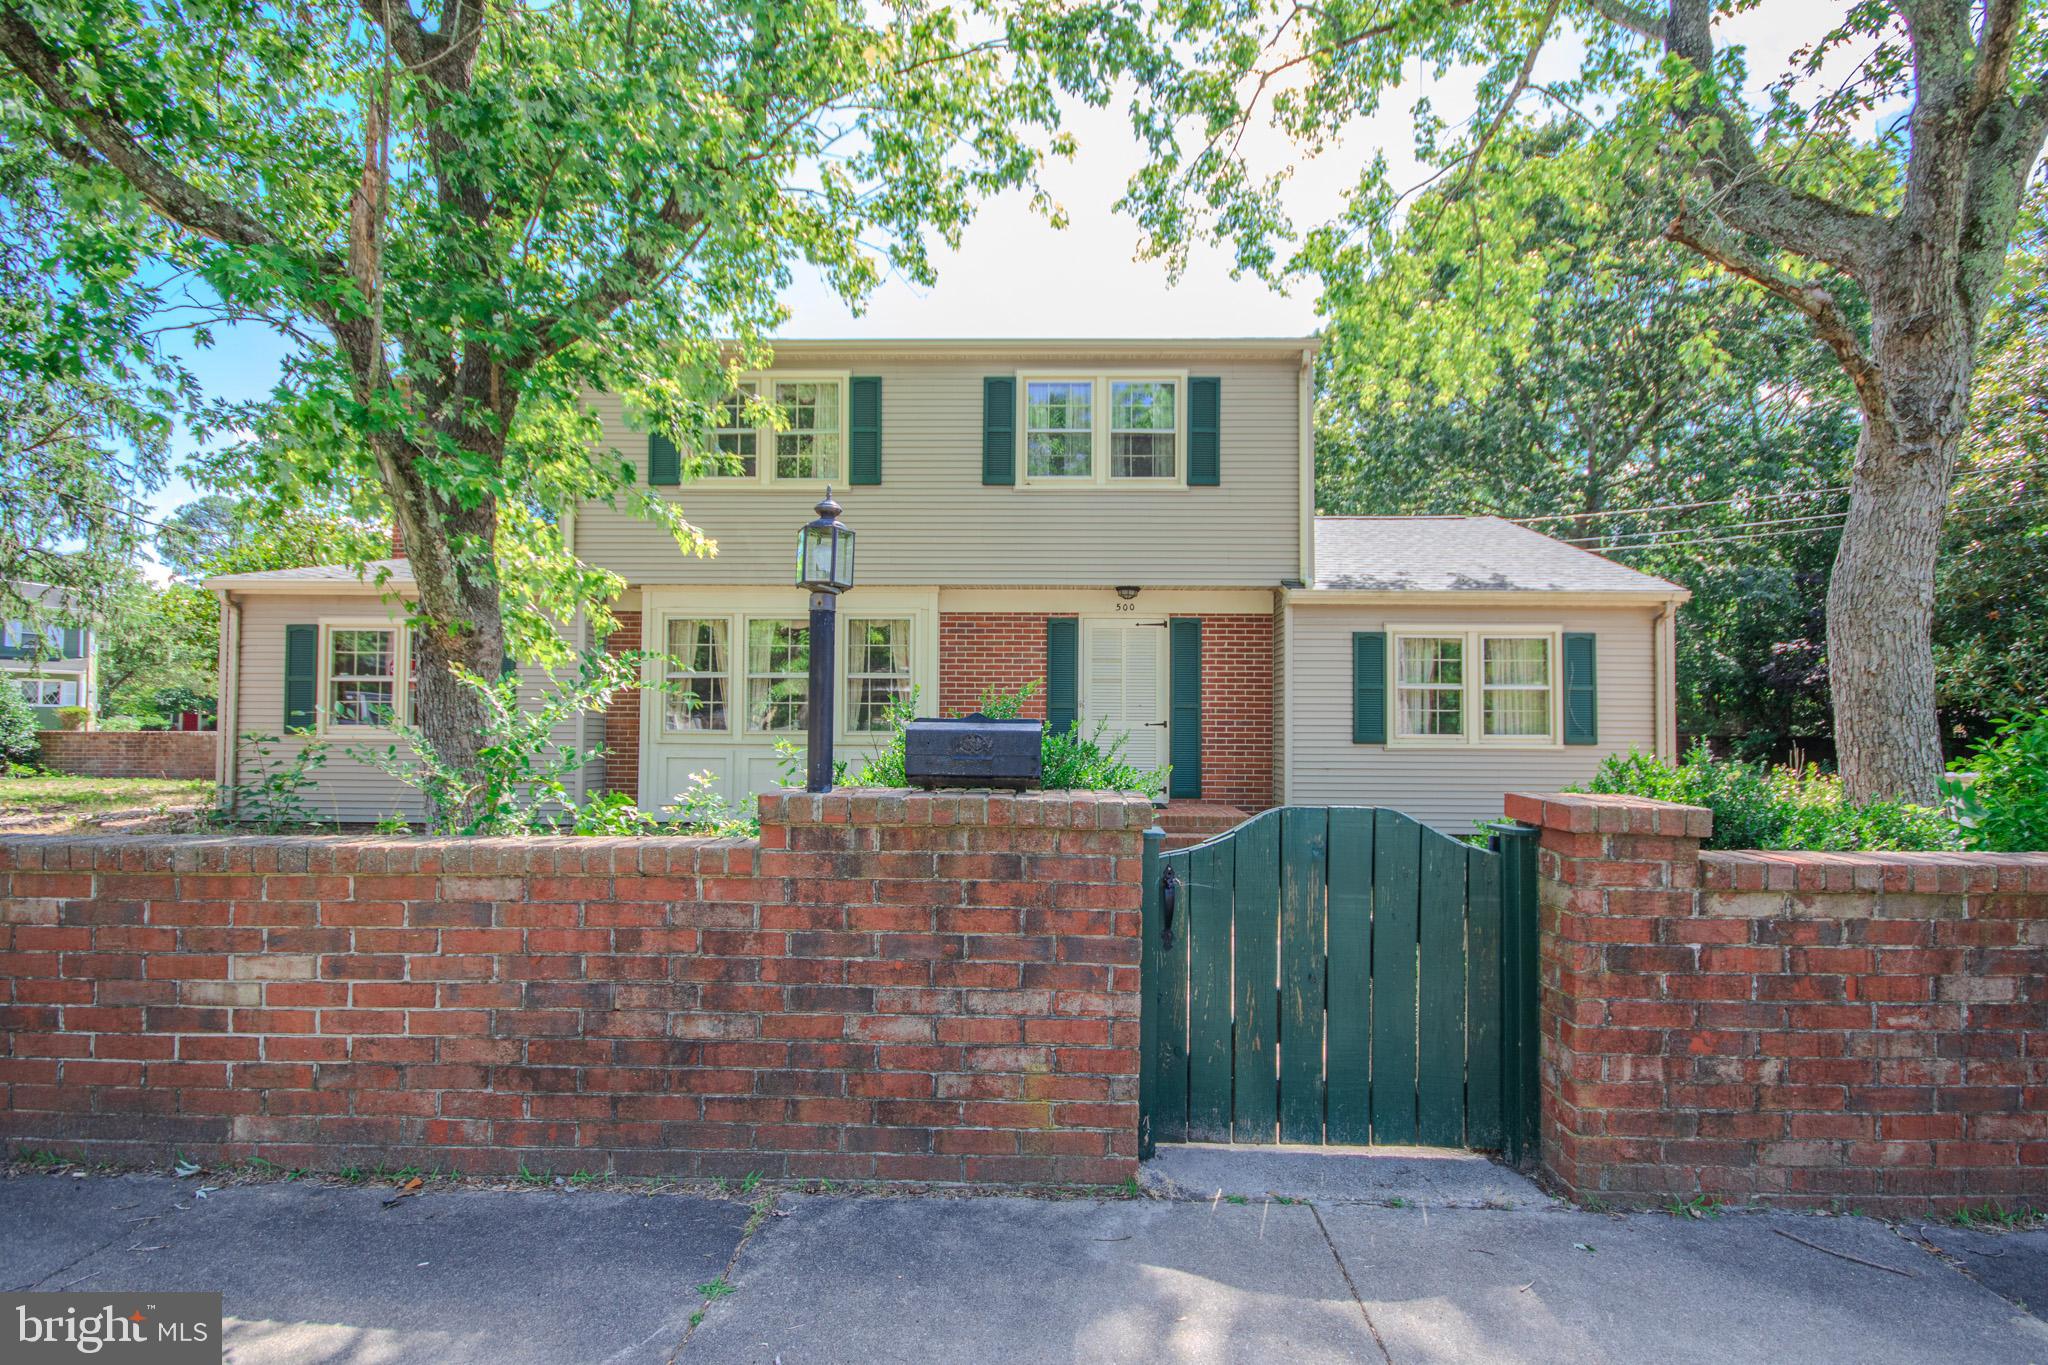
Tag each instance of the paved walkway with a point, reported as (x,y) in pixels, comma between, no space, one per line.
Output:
(313,1272)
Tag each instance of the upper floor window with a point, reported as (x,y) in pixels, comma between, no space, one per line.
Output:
(804,442)
(1104,429)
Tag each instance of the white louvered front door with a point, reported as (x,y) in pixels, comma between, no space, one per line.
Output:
(1123,685)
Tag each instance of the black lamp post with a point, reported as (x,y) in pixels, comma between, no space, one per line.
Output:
(824,564)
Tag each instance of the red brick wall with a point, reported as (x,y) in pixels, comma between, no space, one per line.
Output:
(136,753)
(1801,1028)
(622,717)
(1237,710)
(983,650)
(980,650)
(886,986)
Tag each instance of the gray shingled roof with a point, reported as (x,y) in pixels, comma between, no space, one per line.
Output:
(1463,554)
(376,573)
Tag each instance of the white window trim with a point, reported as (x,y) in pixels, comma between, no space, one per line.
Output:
(1099,433)
(401,692)
(764,438)
(667,672)
(923,669)
(842,707)
(742,667)
(1473,710)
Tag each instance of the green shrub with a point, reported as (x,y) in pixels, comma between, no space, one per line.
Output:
(18,726)
(277,783)
(1071,761)
(2004,807)
(120,725)
(1756,805)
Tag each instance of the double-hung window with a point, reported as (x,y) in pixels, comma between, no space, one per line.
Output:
(1475,687)
(1108,430)
(778,676)
(695,699)
(877,671)
(362,685)
(776,429)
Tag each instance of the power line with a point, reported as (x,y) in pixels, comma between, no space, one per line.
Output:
(1680,506)
(1642,540)
(1739,535)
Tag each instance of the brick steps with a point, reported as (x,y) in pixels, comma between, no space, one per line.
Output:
(1190,822)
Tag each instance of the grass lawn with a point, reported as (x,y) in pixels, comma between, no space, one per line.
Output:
(55,805)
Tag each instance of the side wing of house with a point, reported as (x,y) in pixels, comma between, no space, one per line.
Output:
(319,671)
(50,659)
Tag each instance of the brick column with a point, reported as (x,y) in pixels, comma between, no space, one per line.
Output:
(622,717)
(1618,965)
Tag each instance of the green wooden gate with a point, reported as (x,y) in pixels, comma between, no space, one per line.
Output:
(1340,974)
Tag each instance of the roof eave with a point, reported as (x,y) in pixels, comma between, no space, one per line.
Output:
(1648,595)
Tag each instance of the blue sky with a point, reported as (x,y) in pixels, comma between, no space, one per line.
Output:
(1083,281)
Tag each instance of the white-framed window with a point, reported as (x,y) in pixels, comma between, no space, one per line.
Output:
(1516,685)
(1144,429)
(1110,430)
(361,668)
(699,655)
(1059,428)
(878,671)
(778,675)
(735,441)
(49,692)
(1429,686)
(777,428)
(1491,685)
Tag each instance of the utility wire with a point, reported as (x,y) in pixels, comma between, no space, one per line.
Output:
(1738,534)
(1621,540)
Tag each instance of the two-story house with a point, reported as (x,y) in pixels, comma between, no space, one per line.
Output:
(47,658)
(1128,524)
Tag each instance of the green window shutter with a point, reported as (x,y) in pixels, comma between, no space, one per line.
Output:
(1581,689)
(664,461)
(1184,735)
(508,665)
(999,430)
(1369,687)
(1205,432)
(1062,673)
(864,431)
(301,677)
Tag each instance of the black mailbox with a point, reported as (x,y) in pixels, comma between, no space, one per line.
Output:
(973,751)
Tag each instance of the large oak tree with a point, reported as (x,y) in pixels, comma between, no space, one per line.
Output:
(466,215)
(1891,253)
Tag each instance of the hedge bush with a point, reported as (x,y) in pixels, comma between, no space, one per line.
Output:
(18,726)
(2000,789)
(1757,805)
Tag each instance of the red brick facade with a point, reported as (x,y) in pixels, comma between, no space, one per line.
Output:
(1006,650)
(887,986)
(1802,1028)
(622,717)
(134,753)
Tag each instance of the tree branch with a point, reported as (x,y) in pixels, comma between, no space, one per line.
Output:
(1713,241)
(1641,22)
(1793,220)
(110,142)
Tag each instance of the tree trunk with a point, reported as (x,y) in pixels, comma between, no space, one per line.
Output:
(1881,596)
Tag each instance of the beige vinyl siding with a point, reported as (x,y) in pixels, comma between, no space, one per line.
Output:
(346,789)
(931,520)
(1454,786)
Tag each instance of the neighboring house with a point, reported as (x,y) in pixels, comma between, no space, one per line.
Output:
(47,657)
(1127,523)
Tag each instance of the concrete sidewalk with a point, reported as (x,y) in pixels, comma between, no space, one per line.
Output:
(313,1272)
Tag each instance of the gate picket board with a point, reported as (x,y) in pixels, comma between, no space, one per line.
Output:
(1341,974)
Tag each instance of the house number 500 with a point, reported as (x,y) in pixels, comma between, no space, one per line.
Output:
(1126,606)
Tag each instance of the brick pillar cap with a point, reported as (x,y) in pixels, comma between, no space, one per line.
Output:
(1588,813)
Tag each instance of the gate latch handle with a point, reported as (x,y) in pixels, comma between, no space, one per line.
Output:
(1169,892)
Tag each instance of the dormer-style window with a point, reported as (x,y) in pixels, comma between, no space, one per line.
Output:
(1102,429)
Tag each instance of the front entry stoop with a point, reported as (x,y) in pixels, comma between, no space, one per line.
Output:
(1418,1177)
